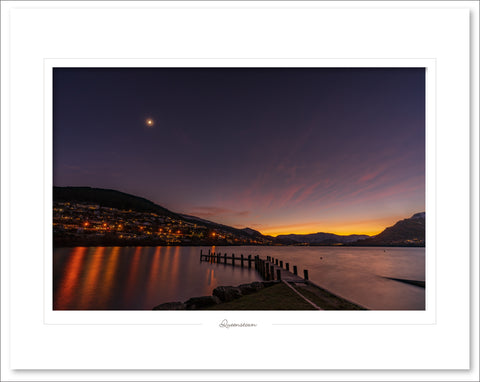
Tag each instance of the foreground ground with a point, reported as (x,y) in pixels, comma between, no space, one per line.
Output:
(281,297)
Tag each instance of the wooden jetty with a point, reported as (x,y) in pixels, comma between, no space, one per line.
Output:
(269,268)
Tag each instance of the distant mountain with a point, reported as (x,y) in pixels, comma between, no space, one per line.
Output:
(319,238)
(406,232)
(419,215)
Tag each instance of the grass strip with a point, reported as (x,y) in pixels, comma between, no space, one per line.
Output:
(326,300)
(276,297)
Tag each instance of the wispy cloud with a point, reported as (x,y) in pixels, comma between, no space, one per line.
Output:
(211,211)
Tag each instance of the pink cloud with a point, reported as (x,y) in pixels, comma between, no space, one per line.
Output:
(210,211)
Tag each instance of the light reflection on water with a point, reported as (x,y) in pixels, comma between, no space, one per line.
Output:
(106,278)
(126,278)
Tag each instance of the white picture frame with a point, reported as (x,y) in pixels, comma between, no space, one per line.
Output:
(40,35)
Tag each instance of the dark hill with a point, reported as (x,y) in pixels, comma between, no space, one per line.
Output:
(122,201)
(409,231)
(108,198)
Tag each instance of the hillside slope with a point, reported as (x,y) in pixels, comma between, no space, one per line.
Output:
(407,232)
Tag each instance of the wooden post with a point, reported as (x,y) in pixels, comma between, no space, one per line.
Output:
(279,274)
(218,257)
(209,251)
(281,264)
(225,259)
(241,256)
(276,261)
(249,261)
(233,259)
(287,266)
(294,269)
(272,272)
(305,274)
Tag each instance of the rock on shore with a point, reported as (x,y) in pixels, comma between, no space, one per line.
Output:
(220,294)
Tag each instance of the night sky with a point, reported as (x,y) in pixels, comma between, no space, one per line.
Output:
(279,150)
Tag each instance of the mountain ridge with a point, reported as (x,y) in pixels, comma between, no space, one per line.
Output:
(408,231)
(322,238)
(405,232)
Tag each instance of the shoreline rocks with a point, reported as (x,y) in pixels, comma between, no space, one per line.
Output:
(177,305)
(219,295)
(195,303)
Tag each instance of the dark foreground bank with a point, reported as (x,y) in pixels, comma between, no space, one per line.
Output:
(265,295)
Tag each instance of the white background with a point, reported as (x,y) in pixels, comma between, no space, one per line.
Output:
(33,32)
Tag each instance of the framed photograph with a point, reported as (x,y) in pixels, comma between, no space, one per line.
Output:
(221,180)
(248,175)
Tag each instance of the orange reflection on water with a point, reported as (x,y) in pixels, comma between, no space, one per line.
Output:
(154,271)
(211,278)
(211,281)
(133,274)
(165,264)
(174,268)
(110,268)
(92,276)
(69,283)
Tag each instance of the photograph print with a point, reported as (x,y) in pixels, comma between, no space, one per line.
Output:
(239,188)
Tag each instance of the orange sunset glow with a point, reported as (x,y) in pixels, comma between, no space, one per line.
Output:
(366,228)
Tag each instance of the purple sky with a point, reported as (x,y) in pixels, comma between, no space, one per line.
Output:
(290,150)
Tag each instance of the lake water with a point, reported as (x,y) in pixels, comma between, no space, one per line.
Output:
(132,278)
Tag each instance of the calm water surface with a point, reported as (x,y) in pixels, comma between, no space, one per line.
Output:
(131,278)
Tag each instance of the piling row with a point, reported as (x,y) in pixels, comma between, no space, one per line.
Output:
(269,268)
(218,257)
